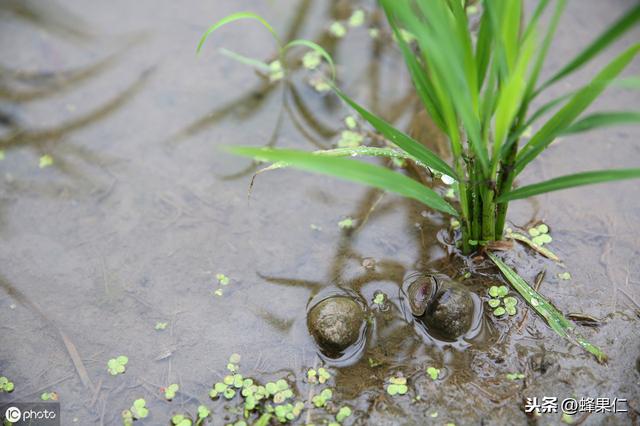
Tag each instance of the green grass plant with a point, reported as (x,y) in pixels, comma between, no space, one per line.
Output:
(478,90)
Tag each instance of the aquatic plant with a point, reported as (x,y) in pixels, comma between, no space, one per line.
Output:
(478,91)
(6,385)
(117,365)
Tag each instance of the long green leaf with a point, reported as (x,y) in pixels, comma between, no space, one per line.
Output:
(351,170)
(315,47)
(402,140)
(569,181)
(576,105)
(617,29)
(603,119)
(236,17)
(546,310)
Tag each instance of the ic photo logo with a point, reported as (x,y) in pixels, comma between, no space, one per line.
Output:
(13,414)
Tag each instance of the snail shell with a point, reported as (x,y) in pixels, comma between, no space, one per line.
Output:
(421,292)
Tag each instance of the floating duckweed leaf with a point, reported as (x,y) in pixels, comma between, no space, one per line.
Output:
(564,276)
(343,413)
(321,399)
(534,232)
(515,376)
(493,291)
(357,18)
(397,386)
(511,310)
(312,376)
(49,396)
(222,279)
(229,393)
(379,298)
(543,229)
(494,303)
(218,292)
(181,420)
(350,139)
(6,385)
(323,375)
(203,412)
(127,418)
(510,301)
(503,290)
(542,239)
(319,83)
(170,391)
(433,373)
(45,161)
(271,388)
(499,311)
(346,223)
(350,122)
(161,325)
(311,60)
(337,30)
(139,409)
(117,365)
(276,72)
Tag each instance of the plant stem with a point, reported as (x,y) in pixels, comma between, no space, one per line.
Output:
(488,215)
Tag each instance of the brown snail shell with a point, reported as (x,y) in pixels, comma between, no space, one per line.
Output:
(421,292)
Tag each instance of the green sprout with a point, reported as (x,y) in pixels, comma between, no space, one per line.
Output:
(139,409)
(397,386)
(321,399)
(170,391)
(117,365)
(6,385)
(433,372)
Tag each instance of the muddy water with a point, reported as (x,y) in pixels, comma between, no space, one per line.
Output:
(140,211)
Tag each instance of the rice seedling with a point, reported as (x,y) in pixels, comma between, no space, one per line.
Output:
(478,90)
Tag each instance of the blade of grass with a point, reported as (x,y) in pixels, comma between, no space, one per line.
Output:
(255,63)
(569,181)
(554,318)
(402,140)
(236,17)
(316,48)
(351,170)
(617,29)
(603,119)
(576,105)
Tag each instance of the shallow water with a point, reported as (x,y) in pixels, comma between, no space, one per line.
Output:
(141,210)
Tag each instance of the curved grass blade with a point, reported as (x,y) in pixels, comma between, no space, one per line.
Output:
(617,29)
(402,140)
(603,119)
(236,17)
(316,48)
(574,107)
(351,170)
(367,151)
(544,308)
(569,181)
